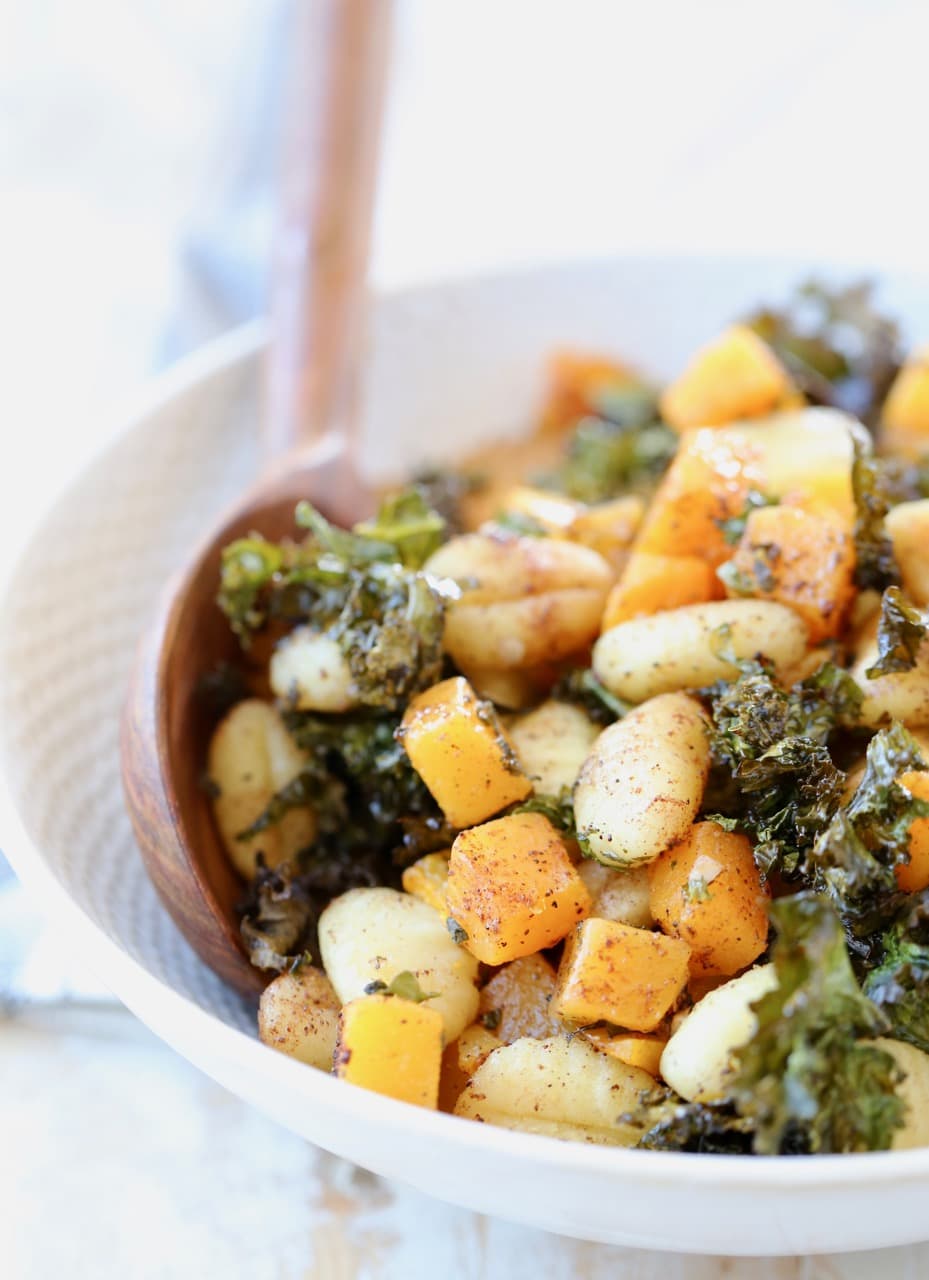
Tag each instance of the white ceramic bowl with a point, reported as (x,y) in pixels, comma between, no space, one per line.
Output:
(448,365)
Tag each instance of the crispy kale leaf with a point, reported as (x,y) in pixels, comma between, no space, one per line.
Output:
(809,1080)
(838,347)
(899,981)
(773,772)
(670,1124)
(278,918)
(363,588)
(875,565)
(853,859)
(900,633)
(621,446)
(580,686)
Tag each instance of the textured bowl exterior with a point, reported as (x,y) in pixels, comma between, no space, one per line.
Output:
(449,367)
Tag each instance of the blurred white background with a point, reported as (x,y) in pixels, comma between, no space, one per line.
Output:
(138,160)
(138,153)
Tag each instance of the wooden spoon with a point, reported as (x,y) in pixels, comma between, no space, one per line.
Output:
(317,322)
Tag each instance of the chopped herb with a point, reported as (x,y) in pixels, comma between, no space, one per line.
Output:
(734,526)
(810,1079)
(405,986)
(491,1019)
(900,633)
(558,809)
(458,934)
(696,889)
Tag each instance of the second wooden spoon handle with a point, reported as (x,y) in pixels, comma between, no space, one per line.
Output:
(320,261)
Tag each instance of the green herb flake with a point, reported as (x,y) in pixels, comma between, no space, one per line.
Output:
(405,986)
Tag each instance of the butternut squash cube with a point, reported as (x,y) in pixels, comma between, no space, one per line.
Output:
(803,559)
(735,376)
(707,890)
(517,999)
(613,973)
(426,879)
(458,748)
(707,483)
(906,409)
(635,1050)
(913,876)
(513,888)
(652,582)
(391,1046)
(609,528)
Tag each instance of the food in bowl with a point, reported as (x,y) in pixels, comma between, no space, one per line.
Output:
(594,802)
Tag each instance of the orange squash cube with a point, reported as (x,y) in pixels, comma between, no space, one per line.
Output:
(609,528)
(913,876)
(513,888)
(707,483)
(614,973)
(736,376)
(460,751)
(426,879)
(635,1050)
(517,1000)
(391,1046)
(906,410)
(707,891)
(803,559)
(575,379)
(651,583)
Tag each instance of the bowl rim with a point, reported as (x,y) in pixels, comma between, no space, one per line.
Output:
(182,1023)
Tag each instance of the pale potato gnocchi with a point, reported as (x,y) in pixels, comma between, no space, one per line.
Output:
(587,804)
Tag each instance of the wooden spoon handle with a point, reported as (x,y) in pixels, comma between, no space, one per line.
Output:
(332,130)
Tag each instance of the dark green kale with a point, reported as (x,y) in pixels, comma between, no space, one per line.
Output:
(220,688)
(278,918)
(839,349)
(875,565)
(444,491)
(900,633)
(774,775)
(853,859)
(670,1124)
(362,588)
(558,809)
(581,686)
(622,446)
(809,1080)
(898,981)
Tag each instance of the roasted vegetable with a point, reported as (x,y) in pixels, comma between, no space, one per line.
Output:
(839,349)
(900,633)
(853,858)
(772,761)
(875,565)
(669,1124)
(356,588)
(899,980)
(809,1079)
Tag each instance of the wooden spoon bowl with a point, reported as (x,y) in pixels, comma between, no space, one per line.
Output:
(167,722)
(318,304)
